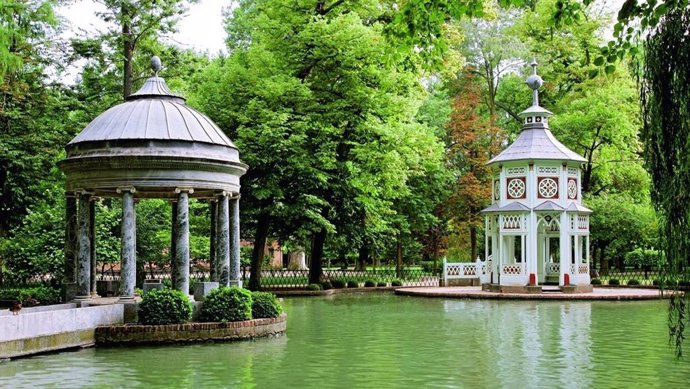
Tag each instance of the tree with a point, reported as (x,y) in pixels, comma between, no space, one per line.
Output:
(136,21)
(666,129)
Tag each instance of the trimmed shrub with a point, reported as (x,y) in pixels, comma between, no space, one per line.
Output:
(614,281)
(595,281)
(657,282)
(265,305)
(633,282)
(43,294)
(165,306)
(383,284)
(326,285)
(352,284)
(313,287)
(338,284)
(369,283)
(227,304)
(396,283)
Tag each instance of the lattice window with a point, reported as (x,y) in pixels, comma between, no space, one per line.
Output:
(583,222)
(497,190)
(572,188)
(512,222)
(553,268)
(572,171)
(516,188)
(548,187)
(547,170)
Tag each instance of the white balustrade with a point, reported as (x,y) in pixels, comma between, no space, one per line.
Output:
(512,269)
(553,268)
(583,268)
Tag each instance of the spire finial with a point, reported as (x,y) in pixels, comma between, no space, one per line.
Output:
(534,82)
(156,65)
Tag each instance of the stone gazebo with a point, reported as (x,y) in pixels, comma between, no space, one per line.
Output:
(152,146)
(537,230)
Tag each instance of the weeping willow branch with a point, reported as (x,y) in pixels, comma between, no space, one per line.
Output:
(665,99)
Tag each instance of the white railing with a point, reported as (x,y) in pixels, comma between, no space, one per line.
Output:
(513,269)
(464,270)
(553,268)
(583,268)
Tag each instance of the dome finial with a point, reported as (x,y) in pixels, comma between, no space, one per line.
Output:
(534,82)
(156,65)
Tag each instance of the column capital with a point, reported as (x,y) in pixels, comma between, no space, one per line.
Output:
(129,189)
(186,190)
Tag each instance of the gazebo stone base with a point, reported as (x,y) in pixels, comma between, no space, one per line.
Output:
(497,288)
(460,282)
(584,288)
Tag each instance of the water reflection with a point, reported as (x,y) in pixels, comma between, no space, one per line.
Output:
(372,341)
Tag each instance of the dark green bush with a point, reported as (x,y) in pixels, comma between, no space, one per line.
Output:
(227,304)
(338,284)
(326,285)
(427,266)
(633,282)
(656,282)
(684,283)
(165,306)
(369,283)
(352,284)
(614,281)
(396,283)
(382,284)
(313,287)
(596,281)
(43,294)
(265,304)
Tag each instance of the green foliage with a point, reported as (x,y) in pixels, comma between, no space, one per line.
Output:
(381,284)
(352,284)
(338,283)
(396,283)
(665,94)
(43,294)
(326,285)
(314,287)
(614,282)
(633,282)
(265,305)
(227,304)
(595,281)
(165,306)
(369,283)
(643,258)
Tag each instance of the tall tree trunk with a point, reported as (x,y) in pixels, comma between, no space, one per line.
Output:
(399,258)
(128,53)
(262,226)
(603,261)
(316,267)
(363,257)
(473,243)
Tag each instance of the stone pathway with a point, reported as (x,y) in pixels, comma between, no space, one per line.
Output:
(475,292)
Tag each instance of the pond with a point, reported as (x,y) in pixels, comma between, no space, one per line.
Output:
(377,340)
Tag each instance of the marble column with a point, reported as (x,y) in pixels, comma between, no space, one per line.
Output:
(128,272)
(70,239)
(212,263)
(173,252)
(235,279)
(223,241)
(84,250)
(181,275)
(92,236)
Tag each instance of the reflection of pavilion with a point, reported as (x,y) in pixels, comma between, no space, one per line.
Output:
(537,229)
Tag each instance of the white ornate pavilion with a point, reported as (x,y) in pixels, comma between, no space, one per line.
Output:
(537,230)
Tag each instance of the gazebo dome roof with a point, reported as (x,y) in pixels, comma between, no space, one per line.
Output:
(155,143)
(153,113)
(536,142)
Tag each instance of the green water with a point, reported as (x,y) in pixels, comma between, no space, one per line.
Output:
(386,341)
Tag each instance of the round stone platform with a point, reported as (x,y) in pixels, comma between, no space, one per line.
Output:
(476,292)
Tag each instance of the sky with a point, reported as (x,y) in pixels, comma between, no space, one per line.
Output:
(201,29)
